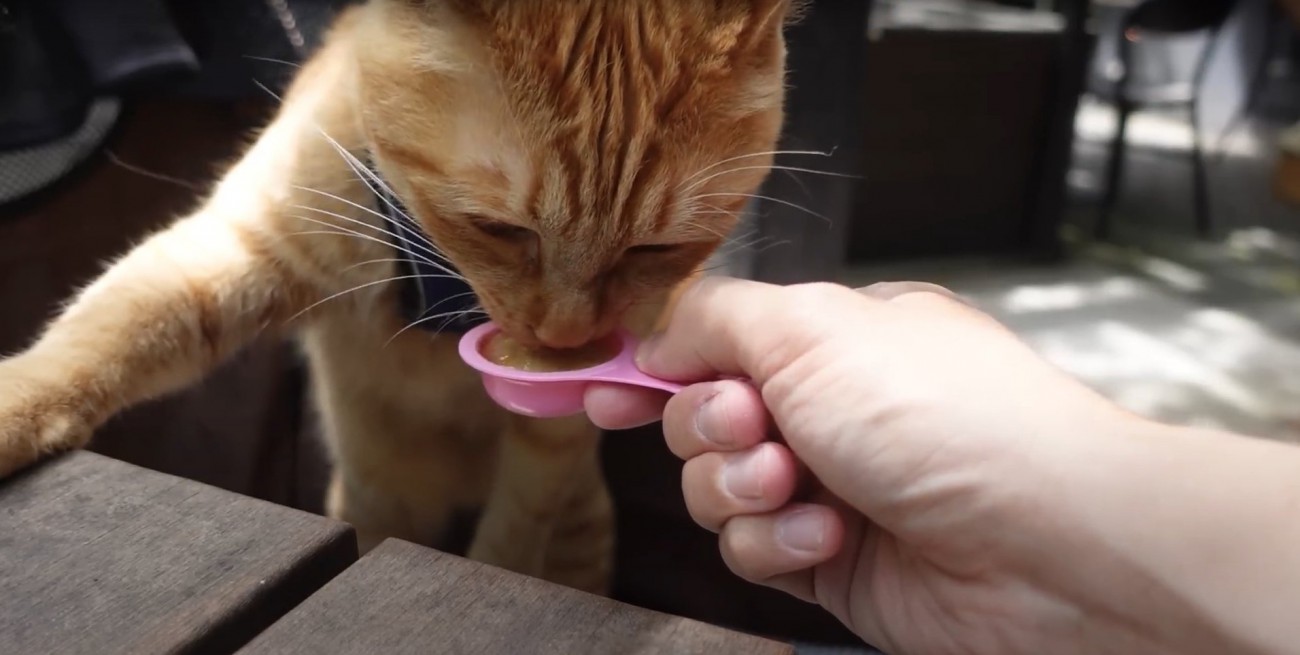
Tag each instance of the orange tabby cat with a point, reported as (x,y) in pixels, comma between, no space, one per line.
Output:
(575,161)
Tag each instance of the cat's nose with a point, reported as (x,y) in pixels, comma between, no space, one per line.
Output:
(564,334)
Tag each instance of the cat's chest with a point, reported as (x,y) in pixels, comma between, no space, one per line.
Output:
(416,378)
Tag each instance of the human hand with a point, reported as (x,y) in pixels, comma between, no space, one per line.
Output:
(921,439)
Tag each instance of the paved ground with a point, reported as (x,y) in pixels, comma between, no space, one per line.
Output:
(1208,342)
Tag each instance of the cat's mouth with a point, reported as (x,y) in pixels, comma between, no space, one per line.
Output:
(504,351)
(540,326)
(543,337)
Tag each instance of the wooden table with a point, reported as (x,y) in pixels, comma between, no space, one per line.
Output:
(99,556)
(403,598)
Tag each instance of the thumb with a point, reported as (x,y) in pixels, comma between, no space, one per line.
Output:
(728,327)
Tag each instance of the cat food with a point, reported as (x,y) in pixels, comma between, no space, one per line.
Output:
(501,349)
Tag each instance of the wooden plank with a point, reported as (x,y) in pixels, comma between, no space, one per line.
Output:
(99,556)
(403,598)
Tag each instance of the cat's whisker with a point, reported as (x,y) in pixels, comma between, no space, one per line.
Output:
(694,214)
(738,243)
(360,168)
(764,153)
(337,233)
(423,238)
(434,306)
(775,167)
(407,242)
(802,187)
(359,287)
(731,249)
(365,175)
(357,166)
(114,159)
(448,317)
(755,196)
(713,212)
(366,225)
(273,60)
(776,243)
(700,226)
(268,91)
(340,230)
(709,269)
(424,319)
(735,239)
(371,262)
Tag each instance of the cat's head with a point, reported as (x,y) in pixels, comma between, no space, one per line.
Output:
(576,158)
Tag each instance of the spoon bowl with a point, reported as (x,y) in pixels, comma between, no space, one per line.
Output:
(558,393)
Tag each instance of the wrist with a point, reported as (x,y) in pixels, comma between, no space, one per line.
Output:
(1180,539)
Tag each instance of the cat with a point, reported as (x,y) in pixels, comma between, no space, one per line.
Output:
(574,163)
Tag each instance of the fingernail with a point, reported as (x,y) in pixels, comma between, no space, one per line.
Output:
(711,422)
(742,476)
(804,530)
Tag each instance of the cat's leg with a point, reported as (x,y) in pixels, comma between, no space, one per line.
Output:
(406,459)
(160,318)
(190,296)
(377,514)
(580,553)
(541,467)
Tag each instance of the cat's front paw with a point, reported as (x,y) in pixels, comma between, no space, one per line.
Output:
(37,417)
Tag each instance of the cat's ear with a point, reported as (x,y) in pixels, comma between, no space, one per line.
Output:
(767,23)
(774,15)
(786,12)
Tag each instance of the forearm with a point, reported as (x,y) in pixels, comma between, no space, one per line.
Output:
(1189,538)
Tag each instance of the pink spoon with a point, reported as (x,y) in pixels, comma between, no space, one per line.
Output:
(552,395)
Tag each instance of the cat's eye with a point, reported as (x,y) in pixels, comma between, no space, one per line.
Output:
(653,248)
(501,230)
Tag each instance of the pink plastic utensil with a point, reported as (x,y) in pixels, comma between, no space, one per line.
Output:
(552,395)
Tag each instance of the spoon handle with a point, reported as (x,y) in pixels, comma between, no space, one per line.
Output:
(634,376)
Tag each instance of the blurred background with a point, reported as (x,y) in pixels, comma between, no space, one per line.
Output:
(1118,180)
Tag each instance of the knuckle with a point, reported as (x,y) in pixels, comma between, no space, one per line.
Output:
(812,300)
(814,292)
(929,296)
(910,291)
(880,289)
(694,295)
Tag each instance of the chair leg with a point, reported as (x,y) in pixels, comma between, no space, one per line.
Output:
(1200,183)
(1258,80)
(1114,175)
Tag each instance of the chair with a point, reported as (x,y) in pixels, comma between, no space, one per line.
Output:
(1162,17)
